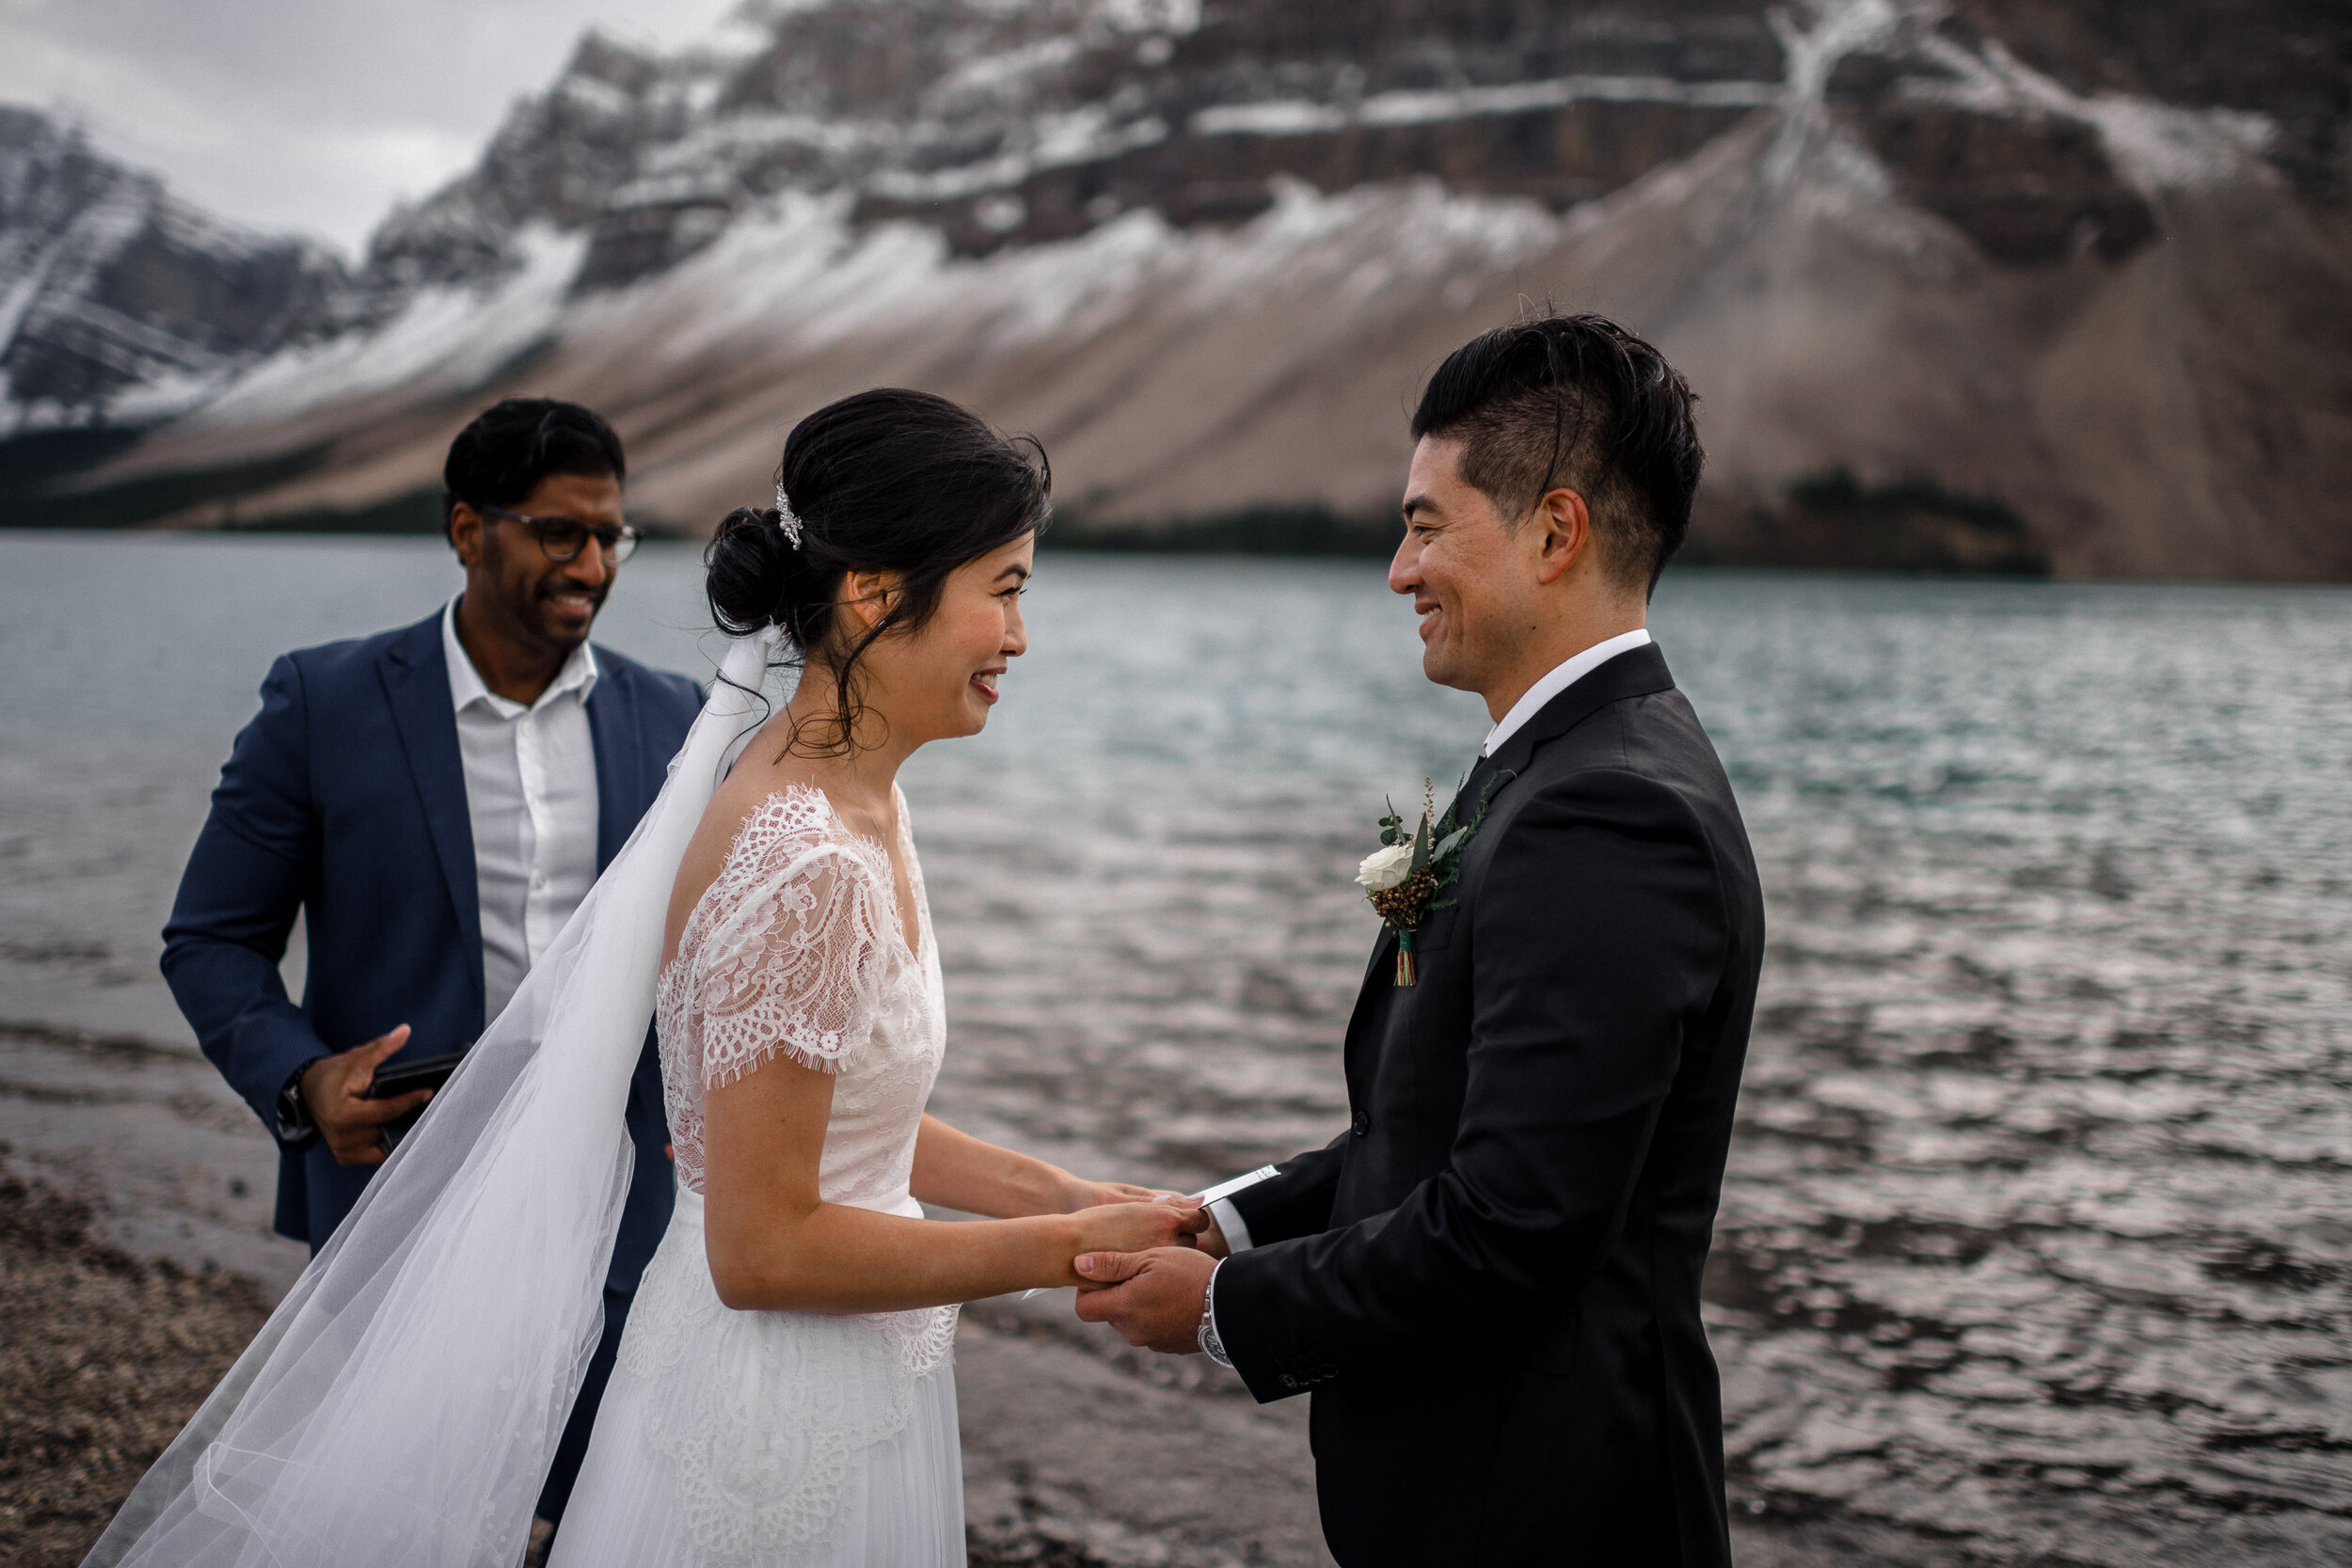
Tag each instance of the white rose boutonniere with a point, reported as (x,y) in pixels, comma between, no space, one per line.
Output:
(1407,873)
(1385,868)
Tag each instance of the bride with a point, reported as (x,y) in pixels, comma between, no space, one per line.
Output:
(780,1394)
(784,1393)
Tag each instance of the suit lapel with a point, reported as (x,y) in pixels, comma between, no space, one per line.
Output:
(1463,809)
(1380,970)
(1382,964)
(1383,949)
(612,728)
(1379,978)
(416,682)
(1636,672)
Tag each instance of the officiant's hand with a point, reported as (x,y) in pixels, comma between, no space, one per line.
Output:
(1154,1299)
(347,1124)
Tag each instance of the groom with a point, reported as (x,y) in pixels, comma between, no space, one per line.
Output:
(435,801)
(1492,1278)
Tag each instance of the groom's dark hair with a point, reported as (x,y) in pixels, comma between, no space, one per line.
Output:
(515,443)
(1576,401)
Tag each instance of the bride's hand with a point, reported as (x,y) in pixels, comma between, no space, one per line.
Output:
(1132,1227)
(1076,1193)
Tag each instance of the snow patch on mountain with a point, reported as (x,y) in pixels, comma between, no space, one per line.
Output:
(444,340)
(1299,116)
(797,278)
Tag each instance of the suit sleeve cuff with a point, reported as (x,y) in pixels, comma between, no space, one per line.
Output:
(1231,1225)
(292,1126)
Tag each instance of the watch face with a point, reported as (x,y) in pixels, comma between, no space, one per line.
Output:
(294,1116)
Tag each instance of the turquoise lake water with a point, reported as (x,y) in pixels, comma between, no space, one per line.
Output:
(2038,1235)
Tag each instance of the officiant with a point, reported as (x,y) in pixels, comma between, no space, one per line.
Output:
(435,801)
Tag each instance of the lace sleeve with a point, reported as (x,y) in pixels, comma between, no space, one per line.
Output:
(792,966)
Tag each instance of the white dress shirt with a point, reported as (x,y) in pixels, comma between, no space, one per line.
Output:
(531,795)
(1228,1220)
(1564,675)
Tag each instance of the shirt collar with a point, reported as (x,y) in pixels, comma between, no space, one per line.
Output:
(1562,676)
(464,682)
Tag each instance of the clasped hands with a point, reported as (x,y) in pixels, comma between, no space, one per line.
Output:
(1153,1293)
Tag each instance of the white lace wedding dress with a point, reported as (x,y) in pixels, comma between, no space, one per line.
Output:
(792,1439)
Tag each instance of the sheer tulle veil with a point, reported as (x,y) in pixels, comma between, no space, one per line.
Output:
(402,1403)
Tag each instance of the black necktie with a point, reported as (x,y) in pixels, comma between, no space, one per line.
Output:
(1465,806)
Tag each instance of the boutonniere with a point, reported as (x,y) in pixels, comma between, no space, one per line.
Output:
(1404,877)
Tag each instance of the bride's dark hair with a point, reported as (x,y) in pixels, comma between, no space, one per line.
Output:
(887,481)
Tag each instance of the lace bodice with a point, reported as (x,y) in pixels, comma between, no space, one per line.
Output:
(796,949)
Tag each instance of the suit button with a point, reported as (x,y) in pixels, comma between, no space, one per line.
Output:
(1289,1381)
(1362,1124)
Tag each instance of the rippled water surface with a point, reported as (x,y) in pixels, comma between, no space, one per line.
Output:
(2036,1241)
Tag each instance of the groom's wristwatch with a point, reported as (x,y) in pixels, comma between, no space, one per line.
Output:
(294,1129)
(1210,1343)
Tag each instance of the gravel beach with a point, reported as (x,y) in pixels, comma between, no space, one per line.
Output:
(101,1358)
(1079,1452)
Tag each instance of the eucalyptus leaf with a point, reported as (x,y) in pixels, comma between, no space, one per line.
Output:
(1420,846)
(1446,844)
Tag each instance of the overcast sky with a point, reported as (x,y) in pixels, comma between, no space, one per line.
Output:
(311,115)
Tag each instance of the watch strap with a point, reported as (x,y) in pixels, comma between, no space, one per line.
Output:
(1210,1344)
(294,1129)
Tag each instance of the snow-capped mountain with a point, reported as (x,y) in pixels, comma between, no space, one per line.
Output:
(1996,283)
(112,290)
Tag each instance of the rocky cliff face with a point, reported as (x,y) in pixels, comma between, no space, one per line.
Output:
(115,298)
(1022,125)
(1985,283)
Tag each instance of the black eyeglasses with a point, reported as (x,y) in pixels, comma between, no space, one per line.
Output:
(564,538)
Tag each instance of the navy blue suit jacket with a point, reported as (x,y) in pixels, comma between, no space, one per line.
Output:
(345,800)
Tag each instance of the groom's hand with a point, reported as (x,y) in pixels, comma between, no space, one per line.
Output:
(332,1087)
(1154,1299)
(1210,1241)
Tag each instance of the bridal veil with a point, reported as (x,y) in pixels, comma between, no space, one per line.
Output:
(402,1403)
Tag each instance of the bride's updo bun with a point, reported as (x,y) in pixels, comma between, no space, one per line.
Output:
(752,565)
(887,481)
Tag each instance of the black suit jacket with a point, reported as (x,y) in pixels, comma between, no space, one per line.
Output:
(345,800)
(1491,1279)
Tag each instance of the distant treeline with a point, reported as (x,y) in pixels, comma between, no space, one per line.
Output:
(38,488)
(1826,521)
(1833,521)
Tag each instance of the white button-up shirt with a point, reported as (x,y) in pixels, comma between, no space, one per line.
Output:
(1564,675)
(531,795)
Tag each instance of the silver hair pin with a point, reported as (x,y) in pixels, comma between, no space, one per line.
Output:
(787,520)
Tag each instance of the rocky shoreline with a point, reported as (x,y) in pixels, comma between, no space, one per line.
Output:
(101,1358)
(1079,1452)
(104,1355)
